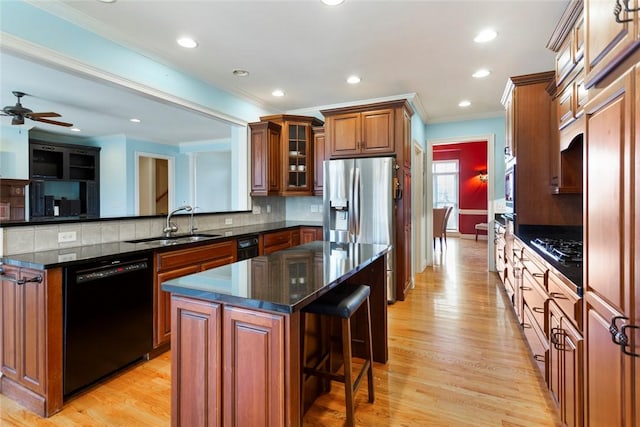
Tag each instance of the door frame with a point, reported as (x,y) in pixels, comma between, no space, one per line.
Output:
(490,139)
(136,180)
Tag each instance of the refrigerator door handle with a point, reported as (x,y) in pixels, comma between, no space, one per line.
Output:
(356,203)
(351,208)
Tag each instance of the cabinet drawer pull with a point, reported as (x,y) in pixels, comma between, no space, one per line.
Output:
(538,275)
(558,295)
(619,336)
(538,309)
(557,339)
(539,358)
(525,288)
(617,9)
(35,279)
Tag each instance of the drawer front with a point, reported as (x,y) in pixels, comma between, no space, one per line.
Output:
(536,267)
(534,297)
(276,239)
(567,300)
(197,255)
(537,341)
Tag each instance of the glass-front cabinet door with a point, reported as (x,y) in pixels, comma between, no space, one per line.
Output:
(298,158)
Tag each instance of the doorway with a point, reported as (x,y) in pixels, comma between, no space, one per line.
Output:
(153,189)
(490,193)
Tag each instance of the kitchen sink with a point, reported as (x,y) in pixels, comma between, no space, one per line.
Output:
(176,239)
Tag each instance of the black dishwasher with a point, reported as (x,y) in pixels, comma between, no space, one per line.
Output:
(108,318)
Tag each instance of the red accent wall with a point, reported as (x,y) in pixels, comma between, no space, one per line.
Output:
(472,159)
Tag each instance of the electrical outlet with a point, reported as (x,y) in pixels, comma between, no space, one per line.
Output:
(268,208)
(67,236)
(314,208)
(228,221)
(257,210)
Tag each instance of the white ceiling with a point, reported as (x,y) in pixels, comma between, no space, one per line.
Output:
(307,49)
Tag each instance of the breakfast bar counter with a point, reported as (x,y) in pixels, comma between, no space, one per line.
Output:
(236,338)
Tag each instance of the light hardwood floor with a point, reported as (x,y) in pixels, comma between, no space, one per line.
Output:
(456,358)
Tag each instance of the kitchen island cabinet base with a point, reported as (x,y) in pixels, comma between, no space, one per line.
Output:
(241,366)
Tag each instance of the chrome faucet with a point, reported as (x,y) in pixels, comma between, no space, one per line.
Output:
(171,227)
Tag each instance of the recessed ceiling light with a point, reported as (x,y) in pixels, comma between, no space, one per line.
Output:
(75,130)
(187,42)
(332,2)
(240,73)
(485,36)
(481,73)
(464,103)
(107,1)
(134,120)
(353,80)
(277,92)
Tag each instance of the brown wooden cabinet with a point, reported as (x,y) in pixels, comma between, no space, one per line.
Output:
(196,363)
(310,234)
(248,378)
(565,365)
(283,159)
(254,368)
(31,345)
(532,132)
(611,291)
(265,158)
(12,199)
(357,133)
(278,240)
(319,156)
(549,308)
(612,39)
(178,263)
(499,246)
(367,130)
(566,150)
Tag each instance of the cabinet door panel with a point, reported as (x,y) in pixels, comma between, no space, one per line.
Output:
(377,131)
(162,333)
(196,363)
(34,310)
(345,133)
(606,124)
(253,368)
(9,316)
(604,369)
(608,42)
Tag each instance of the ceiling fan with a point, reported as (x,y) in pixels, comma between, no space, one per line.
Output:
(19,113)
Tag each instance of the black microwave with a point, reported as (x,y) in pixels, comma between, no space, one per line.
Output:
(510,187)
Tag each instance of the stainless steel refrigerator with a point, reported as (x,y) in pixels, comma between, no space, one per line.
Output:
(359,206)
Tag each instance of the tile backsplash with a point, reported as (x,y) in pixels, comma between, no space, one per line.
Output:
(34,238)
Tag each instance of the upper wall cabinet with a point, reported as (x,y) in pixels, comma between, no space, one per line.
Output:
(265,158)
(613,37)
(365,130)
(282,159)
(571,95)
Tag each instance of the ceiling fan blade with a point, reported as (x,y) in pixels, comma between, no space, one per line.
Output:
(47,114)
(52,122)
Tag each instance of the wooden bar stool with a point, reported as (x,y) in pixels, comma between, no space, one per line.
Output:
(341,302)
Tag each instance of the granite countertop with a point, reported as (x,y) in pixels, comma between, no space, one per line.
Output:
(69,256)
(284,281)
(573,272)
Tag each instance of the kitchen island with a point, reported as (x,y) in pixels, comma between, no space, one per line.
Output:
(237,341)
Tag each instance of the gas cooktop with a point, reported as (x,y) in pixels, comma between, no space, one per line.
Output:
(565,251)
